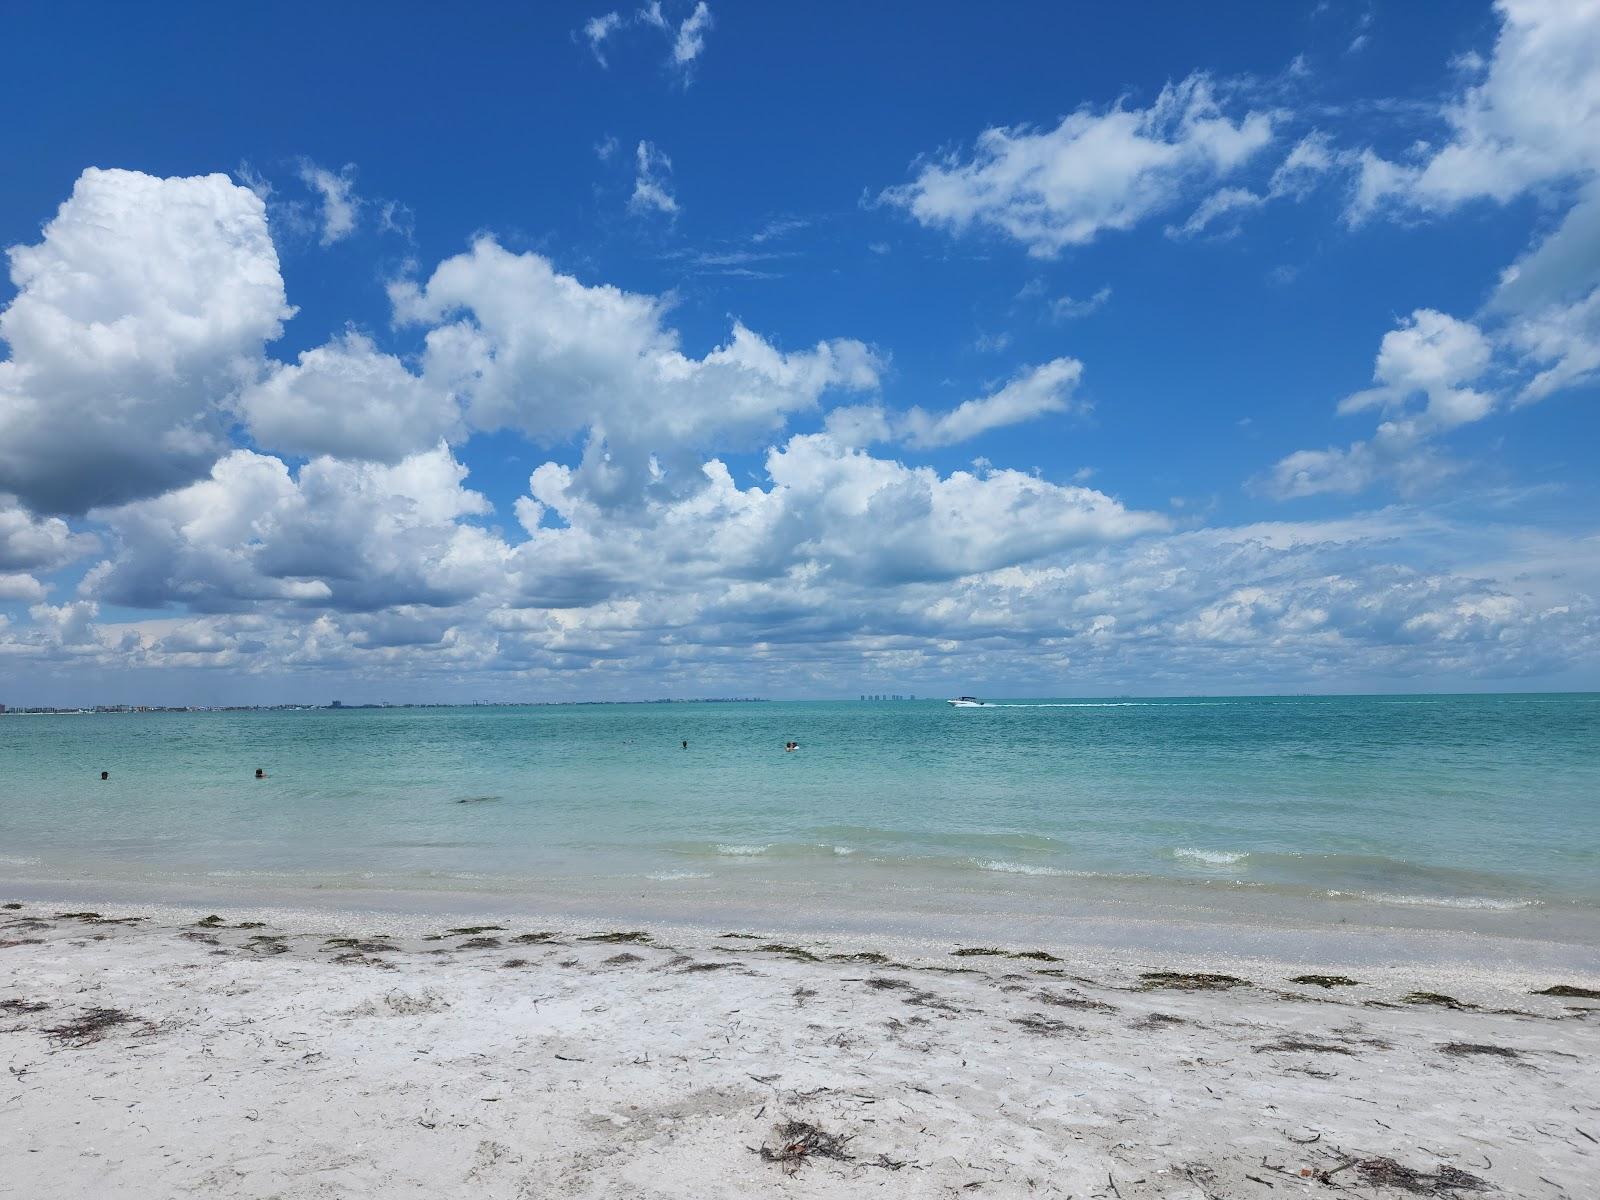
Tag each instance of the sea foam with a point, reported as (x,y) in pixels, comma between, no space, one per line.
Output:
(1210,858)
(1016,868)
(1487,903)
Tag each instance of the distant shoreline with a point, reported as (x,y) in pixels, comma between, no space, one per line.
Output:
(117,710)
(997,700)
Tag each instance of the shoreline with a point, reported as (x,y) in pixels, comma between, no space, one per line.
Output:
(305,1054)
(1231,926)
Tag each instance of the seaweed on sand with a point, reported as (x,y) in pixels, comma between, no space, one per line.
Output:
(931,1000)
(1385,1172)
(1043,1025)
(94,918)
(1570,992)
(470,930)
(636,936)
(479,943)
(266,943)
(622,960)
(530,939)
(1436,998)
(11,904)
(801,1141)
(796,952)
(1325,981)
(211,922)
(996,952)
(1064,1000)
(1157,1020)
(1198,982)
(356,958)
(22,1006)
(1465,1049)
(1292,1044)
(89,1026)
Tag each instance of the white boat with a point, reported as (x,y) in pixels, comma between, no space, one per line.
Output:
(967,702)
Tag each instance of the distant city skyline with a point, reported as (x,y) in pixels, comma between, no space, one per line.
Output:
(808,352)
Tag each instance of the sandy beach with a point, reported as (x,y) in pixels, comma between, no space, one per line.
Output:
(162,1052)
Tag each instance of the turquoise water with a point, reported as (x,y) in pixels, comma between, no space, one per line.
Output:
(1480,803)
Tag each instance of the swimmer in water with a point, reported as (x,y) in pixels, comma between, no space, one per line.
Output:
(105,774)
(260,774)
(686,744)
(791,747)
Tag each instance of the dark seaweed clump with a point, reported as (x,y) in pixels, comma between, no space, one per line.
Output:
(89,1026)
(801,1141)
(1385,1172)
(1465,1049)
(1439,999)
(1570,992)
(1197,982)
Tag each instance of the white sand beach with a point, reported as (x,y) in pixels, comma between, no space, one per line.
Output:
(165,1054)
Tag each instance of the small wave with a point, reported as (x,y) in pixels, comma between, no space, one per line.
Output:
(1485,903)
(1016,868)
(11,861)
(669,876)
(738,851)
(478,799)
(1210,858)
(843,851)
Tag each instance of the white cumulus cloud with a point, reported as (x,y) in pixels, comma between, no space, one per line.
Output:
(1533,119)
(144,307)
(349,400)
(534,350)
(1032,394)
(1095,171)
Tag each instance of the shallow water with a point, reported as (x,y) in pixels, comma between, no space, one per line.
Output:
(1477,805)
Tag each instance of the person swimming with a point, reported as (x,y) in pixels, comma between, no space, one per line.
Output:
(791,747)
(105,774)
(685,743)
(260,774)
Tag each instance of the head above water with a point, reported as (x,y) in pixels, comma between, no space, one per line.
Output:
(105,774)
(260,774)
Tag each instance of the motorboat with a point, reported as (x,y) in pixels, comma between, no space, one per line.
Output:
(967,702)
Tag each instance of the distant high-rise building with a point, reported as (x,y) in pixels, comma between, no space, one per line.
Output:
(337,704)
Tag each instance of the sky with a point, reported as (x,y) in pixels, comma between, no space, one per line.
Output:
(570,351)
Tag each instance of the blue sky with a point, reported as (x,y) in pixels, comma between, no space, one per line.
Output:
(692,349)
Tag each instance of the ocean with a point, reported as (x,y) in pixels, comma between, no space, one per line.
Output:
(1474,810)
